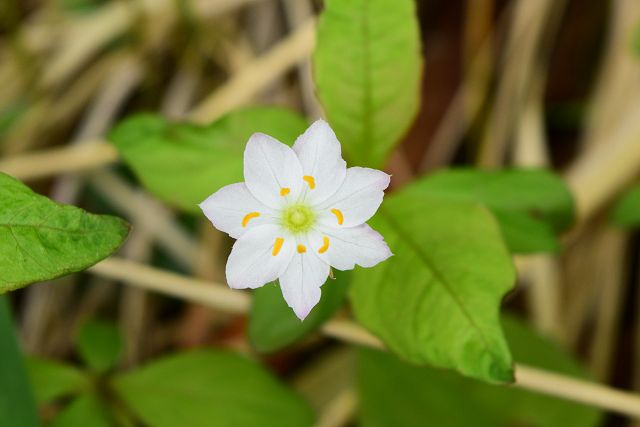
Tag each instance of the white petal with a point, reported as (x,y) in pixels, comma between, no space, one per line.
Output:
(252,263)
(227,209)
(357,199)
(320,155)
(360,245)
(301,282)
(269,167)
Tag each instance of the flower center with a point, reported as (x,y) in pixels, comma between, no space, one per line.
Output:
(298,218)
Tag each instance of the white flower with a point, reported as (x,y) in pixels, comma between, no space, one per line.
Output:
(298,212)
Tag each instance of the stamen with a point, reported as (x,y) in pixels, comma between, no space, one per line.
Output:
(277,246)
(338,215)
(302,249)
(310,180)
(248,216)
(325,245)
(284,191)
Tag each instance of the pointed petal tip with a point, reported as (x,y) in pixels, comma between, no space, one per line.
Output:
(302,314)
(320,121)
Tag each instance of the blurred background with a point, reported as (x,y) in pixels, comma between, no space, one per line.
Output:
(546,83)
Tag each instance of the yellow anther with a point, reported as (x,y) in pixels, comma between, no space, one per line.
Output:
(277,246)
(284,191)
(338,215)
(325,245)
(248,216)
(302,249)
(309,180)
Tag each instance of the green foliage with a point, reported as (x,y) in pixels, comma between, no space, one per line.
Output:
(183,163)
(99,344)
(10,115)
(367,67)
(531,205)
(273,325)
(395,394)
(52,380)
(84,411)
(16,400)
(194,388)
(41,239)
(626,213)
(80,6)
(437,300)
(636,40)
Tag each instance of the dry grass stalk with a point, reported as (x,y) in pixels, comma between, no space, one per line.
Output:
(223,298)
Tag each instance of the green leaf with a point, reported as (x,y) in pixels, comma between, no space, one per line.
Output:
(99,344)
(206,388)
(184,163)
(626,213)
(84,411)
(41,239)
(532,205)
(395,394)
(16,398)
(437,301)
(52,380)
(368,67)
(273,325)
(10,115)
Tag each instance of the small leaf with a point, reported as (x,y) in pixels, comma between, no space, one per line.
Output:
(41,239)
(626,213)
(10,115)
(52,380)
(273,325)
(84,411)
(636,40)
(531,205)
(368,67)
(207,388)
(99,344)
(184,163)
(393,393)
(16,396)
(437,301)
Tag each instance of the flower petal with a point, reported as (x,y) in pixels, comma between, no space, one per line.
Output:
(320,154)
(233,209)
(357,199)
(346,247)
(272,171)
(301,282)
(252,262)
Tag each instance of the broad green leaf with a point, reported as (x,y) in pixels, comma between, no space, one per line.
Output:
(273,325)
(208,388)
(437,301)
(41,239)
(395,394)
(99,344)
(52,380)
(368,67)
(531,205)
(16,399)
(626,213)
(636,40)
(84,411)
(184,163)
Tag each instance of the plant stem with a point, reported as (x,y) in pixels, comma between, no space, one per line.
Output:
(222,298)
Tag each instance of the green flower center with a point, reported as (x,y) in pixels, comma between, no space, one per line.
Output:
(298,218)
